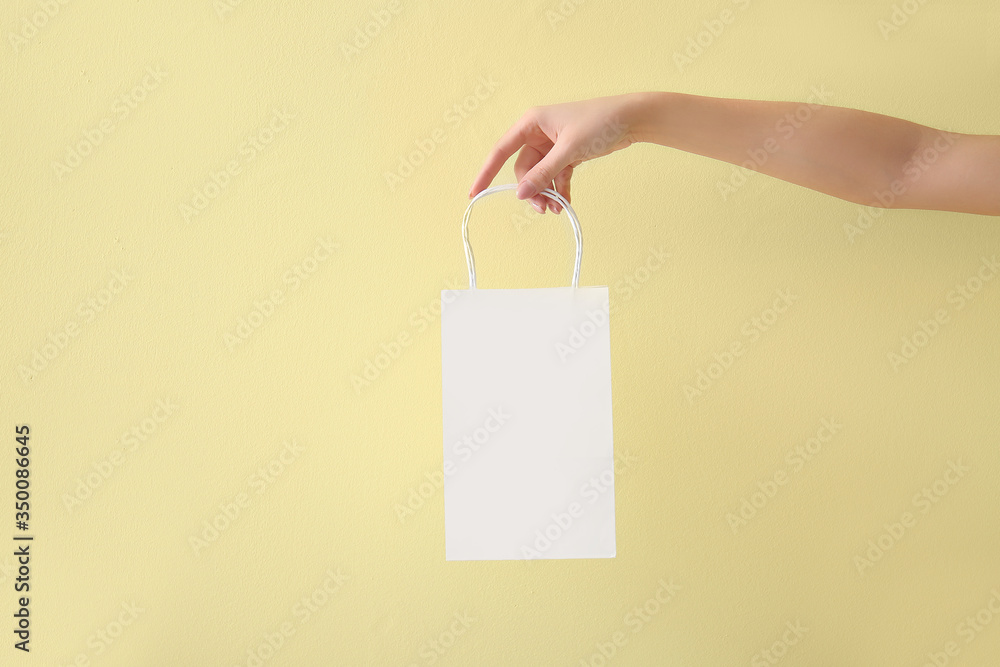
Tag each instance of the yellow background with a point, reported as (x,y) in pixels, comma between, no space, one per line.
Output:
(334,507)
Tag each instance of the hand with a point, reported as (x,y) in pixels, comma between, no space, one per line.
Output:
(555,139)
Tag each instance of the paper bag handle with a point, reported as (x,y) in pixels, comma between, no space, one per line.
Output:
(548,192)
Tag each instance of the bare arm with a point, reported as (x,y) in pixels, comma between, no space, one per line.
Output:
(863,157)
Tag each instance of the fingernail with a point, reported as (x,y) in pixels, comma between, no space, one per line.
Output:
(525,190)
(538,209)
(556,208)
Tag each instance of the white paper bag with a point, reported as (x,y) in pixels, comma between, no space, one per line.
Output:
(526,383)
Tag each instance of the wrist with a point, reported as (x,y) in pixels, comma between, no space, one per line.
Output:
(646,114)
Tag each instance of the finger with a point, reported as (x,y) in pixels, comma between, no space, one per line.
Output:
(562,184)
(512,139)
(527,158)
(547,203)
(542,174)
(552,203)
(563,181)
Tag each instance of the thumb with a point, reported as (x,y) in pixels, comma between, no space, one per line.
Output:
(541,175)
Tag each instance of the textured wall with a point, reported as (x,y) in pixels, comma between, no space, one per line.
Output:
(216,215)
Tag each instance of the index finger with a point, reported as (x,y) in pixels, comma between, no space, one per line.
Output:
(506,146)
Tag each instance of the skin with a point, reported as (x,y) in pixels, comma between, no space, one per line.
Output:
(859,156)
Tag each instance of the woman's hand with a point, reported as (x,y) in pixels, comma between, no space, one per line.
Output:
(555,139)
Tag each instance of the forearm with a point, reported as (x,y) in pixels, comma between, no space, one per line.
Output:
(847,153)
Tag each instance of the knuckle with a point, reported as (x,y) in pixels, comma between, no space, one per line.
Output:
(533,116)
(542,174)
